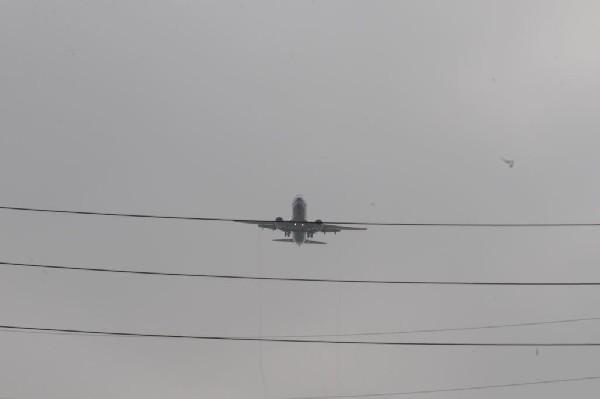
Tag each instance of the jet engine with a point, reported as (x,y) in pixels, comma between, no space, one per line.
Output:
(318,225)
(279,222)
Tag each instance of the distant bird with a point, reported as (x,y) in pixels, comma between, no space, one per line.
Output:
(509,162)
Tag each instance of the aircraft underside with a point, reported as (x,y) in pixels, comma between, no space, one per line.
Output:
(299,229)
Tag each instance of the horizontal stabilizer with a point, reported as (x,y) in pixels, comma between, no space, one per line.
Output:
(305,241)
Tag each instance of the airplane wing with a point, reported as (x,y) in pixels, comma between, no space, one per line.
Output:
(284,225)
(331,228)
(300,226)
(261,224)
(267,226)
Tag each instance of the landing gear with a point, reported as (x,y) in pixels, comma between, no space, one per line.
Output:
(310,235)
(287,233)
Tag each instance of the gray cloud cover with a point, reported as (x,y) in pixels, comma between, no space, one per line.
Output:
(374,110)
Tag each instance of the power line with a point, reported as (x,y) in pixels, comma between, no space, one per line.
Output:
(256,221)
(472,388)
(435,330)
(292,341)
(493,326)
(129,215)
(296,279)
(372,333)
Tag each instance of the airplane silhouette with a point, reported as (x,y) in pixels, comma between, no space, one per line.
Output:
(509,162)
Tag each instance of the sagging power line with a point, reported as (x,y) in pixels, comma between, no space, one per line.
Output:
(256,221)
(71,331)
(299,279)
(437,330)
(471,388)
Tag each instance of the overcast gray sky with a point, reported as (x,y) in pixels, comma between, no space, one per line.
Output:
(373,110)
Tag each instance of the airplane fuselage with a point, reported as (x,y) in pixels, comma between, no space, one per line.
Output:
(299,216)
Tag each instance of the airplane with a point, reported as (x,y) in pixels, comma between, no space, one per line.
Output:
(298,227)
